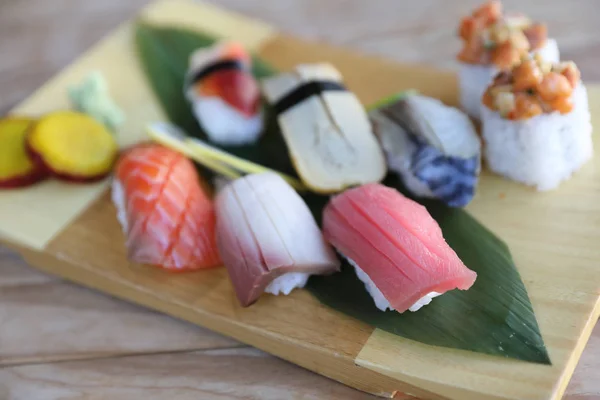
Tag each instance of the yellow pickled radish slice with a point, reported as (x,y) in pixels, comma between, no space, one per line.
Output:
(16,168)
(73,146)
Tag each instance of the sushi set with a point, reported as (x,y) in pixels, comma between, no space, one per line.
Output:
(440,243)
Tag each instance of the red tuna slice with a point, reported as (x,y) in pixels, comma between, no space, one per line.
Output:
(265,230)
(395,242)
(237,88)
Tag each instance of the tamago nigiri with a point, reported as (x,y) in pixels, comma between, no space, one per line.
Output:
(395,246)
(268,238)
(225,96)
(167,218)
(325,127)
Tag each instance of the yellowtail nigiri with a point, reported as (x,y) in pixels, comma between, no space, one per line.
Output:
(267,237)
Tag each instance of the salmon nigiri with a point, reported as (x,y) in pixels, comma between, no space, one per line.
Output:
(224,94)
(168,220)
(395,246)
(268,238)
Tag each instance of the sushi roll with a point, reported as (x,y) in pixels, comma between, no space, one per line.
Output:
(224,95)
(395,246)
(326,129)
(493,42)
(167,218)
(434,148)
(268,238)
(536,123)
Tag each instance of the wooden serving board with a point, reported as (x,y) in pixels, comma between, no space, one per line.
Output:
(72,231)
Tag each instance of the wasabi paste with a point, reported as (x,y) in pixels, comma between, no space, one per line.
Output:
(91,97)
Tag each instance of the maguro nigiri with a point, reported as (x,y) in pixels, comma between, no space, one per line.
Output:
(395,246)
(167,218)
(267,237)
(224,94)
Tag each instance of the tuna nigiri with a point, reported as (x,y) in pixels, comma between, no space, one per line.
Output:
(224,94)
(395,246)
(267,237)
(167,218)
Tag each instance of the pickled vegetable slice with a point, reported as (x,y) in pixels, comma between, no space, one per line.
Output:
(72,146)
(16,168)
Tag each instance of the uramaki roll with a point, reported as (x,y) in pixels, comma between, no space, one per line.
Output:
(494,41)
(536,123)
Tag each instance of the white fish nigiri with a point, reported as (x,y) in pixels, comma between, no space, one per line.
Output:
(224,94)
(268,238)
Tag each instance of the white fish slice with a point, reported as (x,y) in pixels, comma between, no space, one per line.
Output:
(268,238)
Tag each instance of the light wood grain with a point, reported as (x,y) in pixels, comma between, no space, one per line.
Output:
(298,327)
(45,319)
(423,31)
(212,374)
(46,36)
(55,32)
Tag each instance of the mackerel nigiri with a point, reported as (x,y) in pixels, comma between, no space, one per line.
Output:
(224,94)
(433,147)
(167,218)
(395,246)
(267,237)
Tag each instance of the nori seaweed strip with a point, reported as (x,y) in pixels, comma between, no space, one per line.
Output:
(305,91)
(216,66)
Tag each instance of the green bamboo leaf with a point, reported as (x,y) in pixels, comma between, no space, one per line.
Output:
(164,54)
(494,317)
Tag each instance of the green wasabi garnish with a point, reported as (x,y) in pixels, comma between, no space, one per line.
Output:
(91,97)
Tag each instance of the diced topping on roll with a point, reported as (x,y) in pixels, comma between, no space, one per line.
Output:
(533,87)
(492,38)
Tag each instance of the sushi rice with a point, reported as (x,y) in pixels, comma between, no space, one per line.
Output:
(474,79)
(541,151)
(287,282)
(223,124)
(380,301)
(118,198)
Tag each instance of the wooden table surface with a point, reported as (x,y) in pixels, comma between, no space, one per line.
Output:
(61,341)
